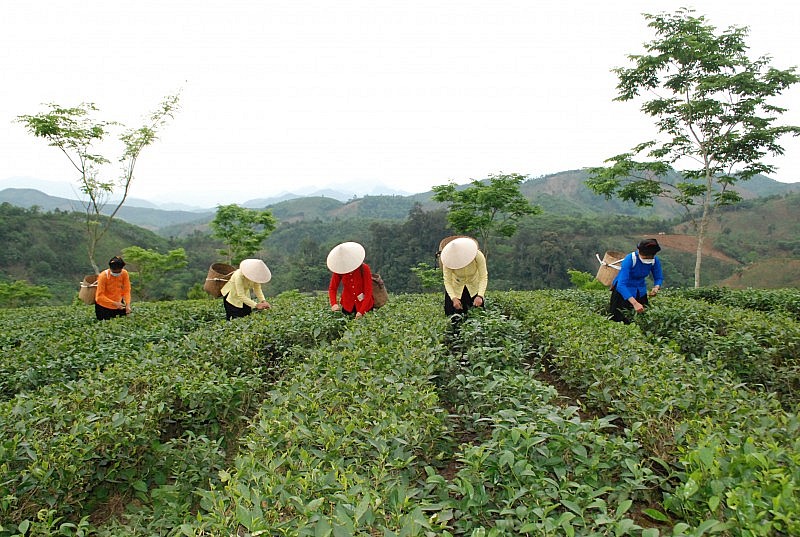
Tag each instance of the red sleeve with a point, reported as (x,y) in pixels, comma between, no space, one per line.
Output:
(333,286)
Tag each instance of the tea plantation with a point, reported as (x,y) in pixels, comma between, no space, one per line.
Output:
(536,416)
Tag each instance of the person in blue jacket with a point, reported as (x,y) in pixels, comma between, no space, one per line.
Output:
(629,289)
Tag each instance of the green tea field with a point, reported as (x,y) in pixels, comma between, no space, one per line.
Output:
(536,416)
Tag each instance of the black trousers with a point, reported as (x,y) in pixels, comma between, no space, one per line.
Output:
(233,312)
(466,303)
(103,314)
(620,309)
(353,311)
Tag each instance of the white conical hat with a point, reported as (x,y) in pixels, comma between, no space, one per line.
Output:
(459,252)
(255,270)
(346,257)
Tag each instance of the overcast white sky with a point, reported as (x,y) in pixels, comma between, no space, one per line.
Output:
(291,95)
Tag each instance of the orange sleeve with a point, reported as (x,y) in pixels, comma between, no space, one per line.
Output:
(101,294)
(126,290)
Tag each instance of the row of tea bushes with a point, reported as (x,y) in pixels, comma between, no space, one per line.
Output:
(760,348)
(342,442)
(531,465)
(58,344)
(786,300)
(735,453)
(120,432)
(350,437)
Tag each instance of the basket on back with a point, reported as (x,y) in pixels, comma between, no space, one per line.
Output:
(88,289)
(218,276)
(609,266)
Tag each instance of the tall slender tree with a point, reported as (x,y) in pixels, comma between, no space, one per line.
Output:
(76,134)
(712,108)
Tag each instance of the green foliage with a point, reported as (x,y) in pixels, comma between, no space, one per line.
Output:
(299,421)
(242,230)
(196,292)
(767,300)
(151,266)
(486,209)
(430,278)
(680,410)
(21,293)
(151,424)
(711,107)
(761,349)
(584,280)
(46,249)
(341,443)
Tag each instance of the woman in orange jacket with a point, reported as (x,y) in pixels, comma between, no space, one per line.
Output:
(113,295)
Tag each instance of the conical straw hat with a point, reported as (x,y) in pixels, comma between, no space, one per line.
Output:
(459,252)
(255,270)
(346,257)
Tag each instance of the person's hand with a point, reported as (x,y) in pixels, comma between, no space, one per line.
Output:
(127,309)
(335,307)
(457,304)
(263,305)
(637,306)
(359,314)
(477,301)
(654,291)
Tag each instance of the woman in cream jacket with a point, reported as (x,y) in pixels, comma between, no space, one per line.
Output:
(465,275)
(245,282)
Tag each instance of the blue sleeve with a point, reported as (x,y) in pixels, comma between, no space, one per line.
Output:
(624,277)
(658,275)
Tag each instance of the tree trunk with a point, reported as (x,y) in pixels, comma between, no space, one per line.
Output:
(699,254)
(701,232)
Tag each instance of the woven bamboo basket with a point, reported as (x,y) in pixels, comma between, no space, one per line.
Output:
(609,266)
(88,289)
(218,276)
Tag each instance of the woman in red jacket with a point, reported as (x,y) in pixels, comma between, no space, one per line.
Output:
(346,262)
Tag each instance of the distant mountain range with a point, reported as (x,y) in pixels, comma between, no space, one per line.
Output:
(68,191)
(560,193)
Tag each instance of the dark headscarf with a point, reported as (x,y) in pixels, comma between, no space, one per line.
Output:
(648,247)
(116,262)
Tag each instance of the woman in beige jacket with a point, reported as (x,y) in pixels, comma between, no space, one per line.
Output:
(245,282)
(465,275)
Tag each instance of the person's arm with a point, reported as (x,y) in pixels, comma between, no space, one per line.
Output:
(658,274)
(658,278)
(449,278)
(483,274)
(126,290)
(262,301)
(333,287)
(100,293)
(259,292)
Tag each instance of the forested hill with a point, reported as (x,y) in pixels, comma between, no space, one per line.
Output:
(146,217)
(756,243)
(563,193)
